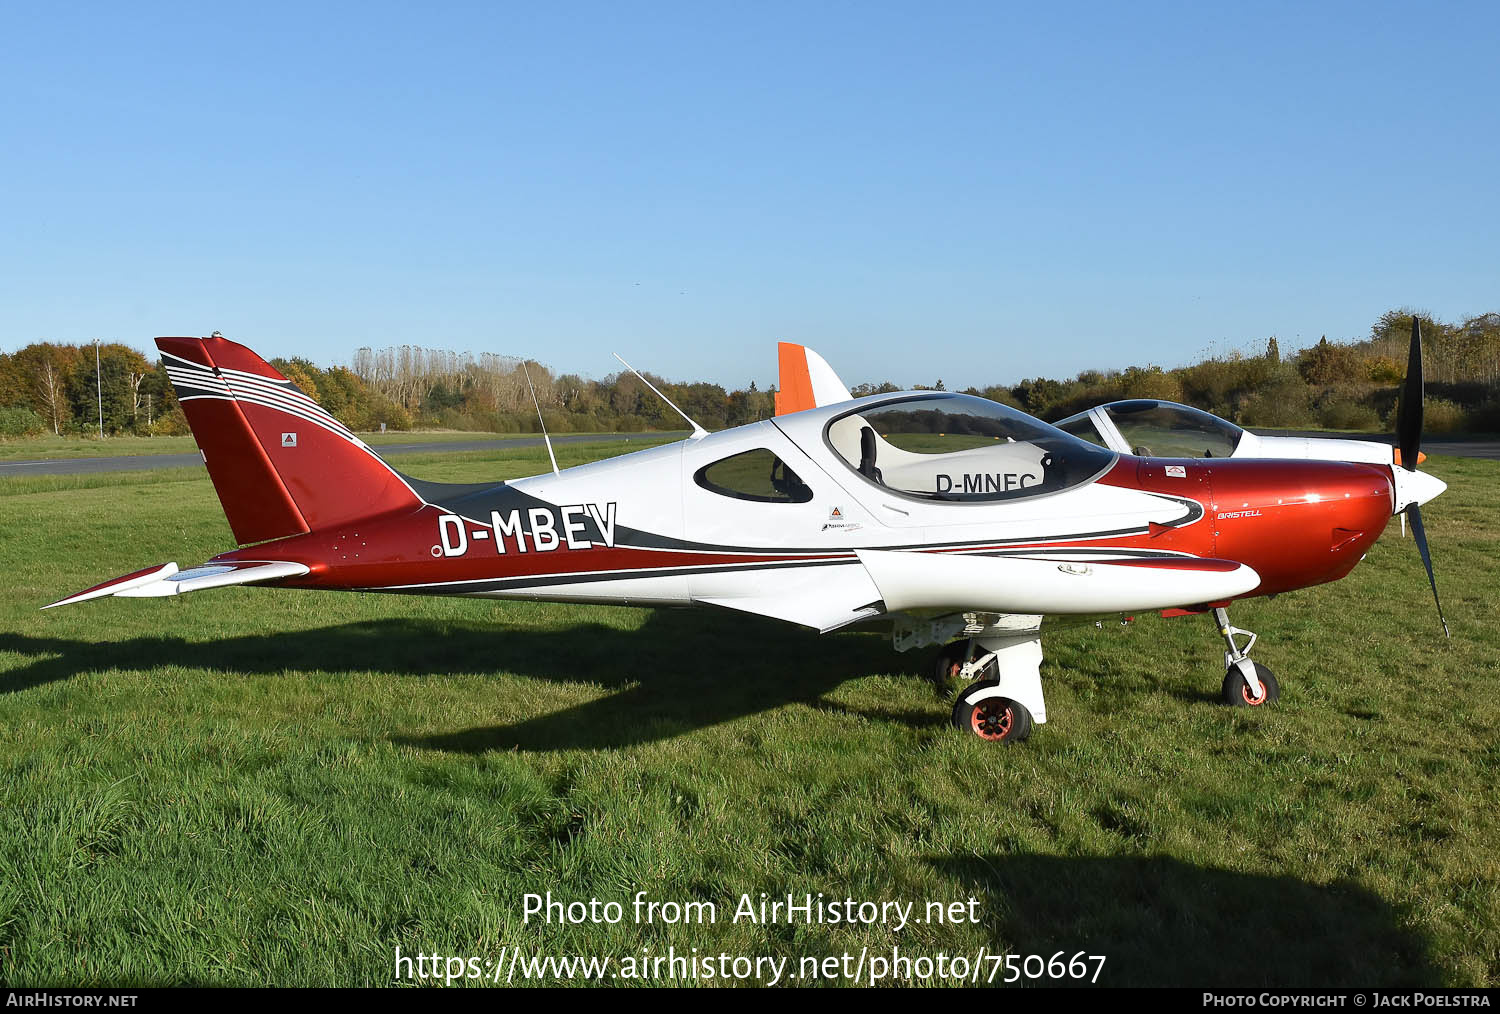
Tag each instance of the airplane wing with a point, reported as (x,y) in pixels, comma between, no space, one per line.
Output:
(916,580)
(806,380)
(824,620)
(154,582)
(824,598)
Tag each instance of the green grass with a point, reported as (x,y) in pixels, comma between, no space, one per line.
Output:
(266,786)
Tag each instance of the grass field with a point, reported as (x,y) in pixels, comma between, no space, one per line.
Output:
(280,787)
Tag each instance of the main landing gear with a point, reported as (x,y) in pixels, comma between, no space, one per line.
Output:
(998,658)
(1247,684)
(1003,704)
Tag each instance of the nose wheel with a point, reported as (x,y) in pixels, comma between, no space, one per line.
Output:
(1237,692)
(1247,684)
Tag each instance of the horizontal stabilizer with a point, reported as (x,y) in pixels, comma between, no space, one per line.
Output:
(156,582)
(915,580)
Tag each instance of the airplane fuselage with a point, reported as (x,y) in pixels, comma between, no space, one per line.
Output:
(638,529)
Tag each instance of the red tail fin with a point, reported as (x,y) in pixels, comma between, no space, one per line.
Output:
(280,464)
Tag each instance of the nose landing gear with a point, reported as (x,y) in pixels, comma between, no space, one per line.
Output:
(1247,684)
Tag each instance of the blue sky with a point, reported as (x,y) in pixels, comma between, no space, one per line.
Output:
(972,192)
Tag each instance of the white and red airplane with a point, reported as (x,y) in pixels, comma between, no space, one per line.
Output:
(958,521)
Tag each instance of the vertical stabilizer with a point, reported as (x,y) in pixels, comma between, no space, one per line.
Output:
(806,380)
(280,464)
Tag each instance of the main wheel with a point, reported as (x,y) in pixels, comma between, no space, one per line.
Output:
(994,719)
(950,661)
(1237,693)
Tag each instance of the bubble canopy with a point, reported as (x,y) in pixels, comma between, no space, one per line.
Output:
(1162,429)
(956,447)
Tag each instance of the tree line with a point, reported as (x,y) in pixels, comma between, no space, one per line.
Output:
(1349,385)
(50,387)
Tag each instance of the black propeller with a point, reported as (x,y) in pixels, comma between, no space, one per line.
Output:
(1409,415)
(1409,440)
(1420,534)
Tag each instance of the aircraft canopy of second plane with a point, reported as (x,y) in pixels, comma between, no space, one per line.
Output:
(954,447)
(1162,429)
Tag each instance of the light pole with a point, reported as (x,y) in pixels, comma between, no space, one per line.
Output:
(99,388)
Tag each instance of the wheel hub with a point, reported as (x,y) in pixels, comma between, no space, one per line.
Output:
(992,721)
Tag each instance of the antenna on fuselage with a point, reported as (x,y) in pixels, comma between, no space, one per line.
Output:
(698,431)
(545,439)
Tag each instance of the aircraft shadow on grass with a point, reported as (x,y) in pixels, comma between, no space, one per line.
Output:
(682,670)
(1162,922)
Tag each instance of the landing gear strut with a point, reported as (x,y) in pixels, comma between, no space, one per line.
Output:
(949,664)
(1247,684)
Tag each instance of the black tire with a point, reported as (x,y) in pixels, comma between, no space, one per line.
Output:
(948,665)
(994,719)
(1236,692)
(949,662)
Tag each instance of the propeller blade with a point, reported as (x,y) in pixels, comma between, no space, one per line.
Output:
(1420,534)
(1409,415)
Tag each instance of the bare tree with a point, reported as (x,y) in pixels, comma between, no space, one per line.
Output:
(135,379)
(51,392)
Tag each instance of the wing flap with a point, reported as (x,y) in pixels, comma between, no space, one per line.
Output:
(916,580)
(158,582)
